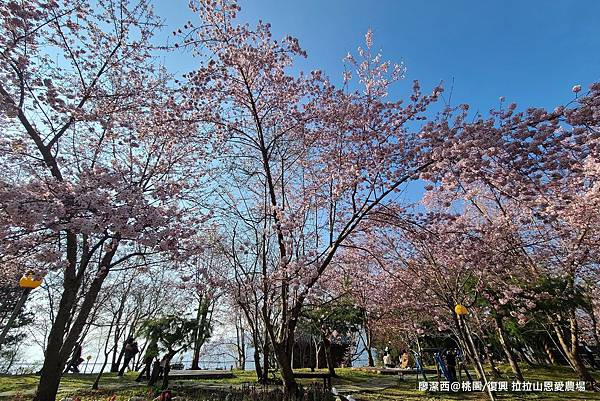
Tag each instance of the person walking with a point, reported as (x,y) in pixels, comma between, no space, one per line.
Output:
(131,348)
(76,360)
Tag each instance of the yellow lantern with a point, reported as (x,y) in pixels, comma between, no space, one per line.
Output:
(461,310)
(29,281)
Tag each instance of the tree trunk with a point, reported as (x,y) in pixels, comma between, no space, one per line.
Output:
(199,332)
(371,361)
(53,365)
(196,359)
(59,348)
(116,361)
(368,347)
(99,375)
(318,348)
(254,332)
(328,356)
(490,358)
(571,349)
(257,367)
(242,349)
(266,363)
(12,357)
(290,386)
(465,345)
(106,353)
(154,374)
(114,367)
(473,349)
(16,311)
(50,377)
(594,326)
(531,363)
(165,380)
(510,356)
(549,352)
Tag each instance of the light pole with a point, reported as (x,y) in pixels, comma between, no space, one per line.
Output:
(28,282)
(86,363)
(461,311)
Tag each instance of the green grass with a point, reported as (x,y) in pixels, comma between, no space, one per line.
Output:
(364,386)
(408,390)
(23,386)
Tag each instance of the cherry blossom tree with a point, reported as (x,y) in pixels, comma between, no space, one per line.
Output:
(362,273)
(107,160)
(308,159)
(537,172)
(98,164)
(510,228)
(203,282)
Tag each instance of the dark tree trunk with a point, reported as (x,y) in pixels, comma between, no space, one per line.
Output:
(257,367)
(196,359)
(200,330)
(16,311)
(328,356)
(254,332)
(290,386)
(371,361)
(167,369)
(370,353)
(50,377)
(99,375)
(53,365)
(490,357)
(466,345)
(60,348)
(106,353)
(165,380)
(116,360)
(266,363)
(368,347)
(475,356)
(531,363)
(155,373)
(114,367)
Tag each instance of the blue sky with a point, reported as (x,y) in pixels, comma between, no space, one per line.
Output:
(530,51)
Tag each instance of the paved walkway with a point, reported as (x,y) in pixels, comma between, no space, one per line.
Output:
(371,386)
(200,374)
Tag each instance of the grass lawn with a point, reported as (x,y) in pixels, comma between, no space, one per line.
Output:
(363,386)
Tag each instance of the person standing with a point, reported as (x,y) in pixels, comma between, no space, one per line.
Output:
(131,348)
(387,358)
(164,362)
(149,355)
(404,360)
(451,365)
